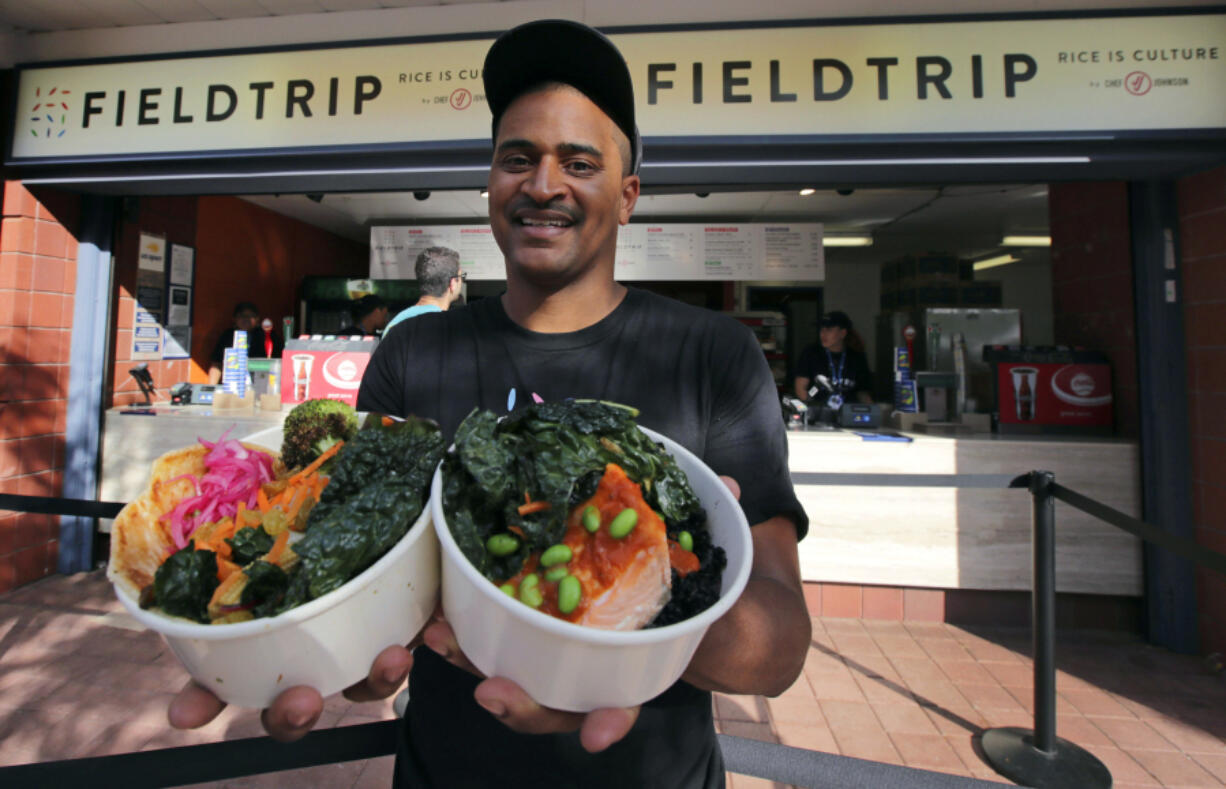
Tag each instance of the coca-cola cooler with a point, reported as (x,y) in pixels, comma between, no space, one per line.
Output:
(1051,390)
(314,367)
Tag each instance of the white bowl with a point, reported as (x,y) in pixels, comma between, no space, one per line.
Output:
(573,667)
(328,643)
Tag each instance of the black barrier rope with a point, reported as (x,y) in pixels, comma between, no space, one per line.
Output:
(1180,546)
(191,764)
(48,505)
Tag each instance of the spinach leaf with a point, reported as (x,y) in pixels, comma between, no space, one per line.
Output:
(266,586)
(249,544)
(184,583)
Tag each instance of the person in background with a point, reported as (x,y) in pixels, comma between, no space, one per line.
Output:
(262,343)
(369,315)
(838,370)
(440,280)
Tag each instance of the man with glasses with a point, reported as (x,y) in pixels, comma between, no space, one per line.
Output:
(440,280)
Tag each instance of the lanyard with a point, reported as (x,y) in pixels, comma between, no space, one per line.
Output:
(836,374)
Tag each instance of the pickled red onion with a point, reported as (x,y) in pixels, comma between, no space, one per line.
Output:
(233,473)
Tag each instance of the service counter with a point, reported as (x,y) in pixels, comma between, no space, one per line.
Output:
(133,438)
(964,538)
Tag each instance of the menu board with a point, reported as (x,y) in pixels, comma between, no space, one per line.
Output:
(673,251)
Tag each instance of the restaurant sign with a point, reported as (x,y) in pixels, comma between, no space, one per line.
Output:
(1109,74)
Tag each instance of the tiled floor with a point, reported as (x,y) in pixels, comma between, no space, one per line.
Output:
(76,680)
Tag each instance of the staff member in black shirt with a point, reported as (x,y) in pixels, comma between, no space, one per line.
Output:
(834,373)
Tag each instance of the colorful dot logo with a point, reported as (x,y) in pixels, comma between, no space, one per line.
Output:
(50,113)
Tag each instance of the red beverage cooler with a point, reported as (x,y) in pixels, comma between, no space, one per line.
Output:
(314,367)
(1051,390)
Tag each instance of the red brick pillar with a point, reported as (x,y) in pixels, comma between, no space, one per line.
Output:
(37,281)
(1202,232)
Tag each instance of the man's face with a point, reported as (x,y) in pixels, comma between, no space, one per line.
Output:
(381,318)
(557,193)
(246,321)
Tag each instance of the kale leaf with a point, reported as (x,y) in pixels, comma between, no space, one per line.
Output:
(249,544)
(377,490)
(550,452)
(266,587)
(184,583)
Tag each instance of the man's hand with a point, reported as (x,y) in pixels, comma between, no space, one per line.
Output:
(508,702)
(295,711)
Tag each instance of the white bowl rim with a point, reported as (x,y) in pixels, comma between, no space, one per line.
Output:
(592,635)
(177,627)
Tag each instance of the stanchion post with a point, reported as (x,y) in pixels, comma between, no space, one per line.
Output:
(1037,757)
(1043,607)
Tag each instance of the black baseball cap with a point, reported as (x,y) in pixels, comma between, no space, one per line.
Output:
(558,50)
(837,319)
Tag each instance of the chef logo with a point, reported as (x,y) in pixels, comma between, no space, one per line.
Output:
(49,114)
(1138,83)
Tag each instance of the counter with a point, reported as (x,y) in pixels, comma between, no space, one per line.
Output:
(964,538)
(132,439)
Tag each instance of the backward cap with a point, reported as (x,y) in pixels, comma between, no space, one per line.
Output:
(558,50)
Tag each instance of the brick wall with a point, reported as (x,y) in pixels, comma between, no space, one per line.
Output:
(1092,293)
(38,256)
(1202,229)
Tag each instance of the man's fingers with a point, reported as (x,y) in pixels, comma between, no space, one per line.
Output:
(439,637)
(602,728)
(508,702)
(733,486)
(293,713)
(387,674)
(193,707)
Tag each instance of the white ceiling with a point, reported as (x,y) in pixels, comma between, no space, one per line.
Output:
(968,221)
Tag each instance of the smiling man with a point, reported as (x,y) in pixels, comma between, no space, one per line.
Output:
(562,180)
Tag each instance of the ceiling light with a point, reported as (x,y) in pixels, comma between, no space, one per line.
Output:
(1026,241)
(847,241)
(485,193)
(999,260)
(808,190)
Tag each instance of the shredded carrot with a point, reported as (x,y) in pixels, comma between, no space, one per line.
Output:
(225,568)
(278,547)
(388,421)
(527,498)
(261,501)
(317,462)
(533,506)
(516,531)
(225,586)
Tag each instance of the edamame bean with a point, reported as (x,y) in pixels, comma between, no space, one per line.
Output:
(532,597)
(591,518)
(555,554)
(623,523)
(502,544)
(570,592)
(508,589)
(529,590)
(556,574)
(686,540)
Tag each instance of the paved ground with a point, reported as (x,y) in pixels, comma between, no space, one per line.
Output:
(77,680)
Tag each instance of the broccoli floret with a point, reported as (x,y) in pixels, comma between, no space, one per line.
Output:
(314,426)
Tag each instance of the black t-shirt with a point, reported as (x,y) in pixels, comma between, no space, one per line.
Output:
(255,345)
(847,371)
(697,377)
